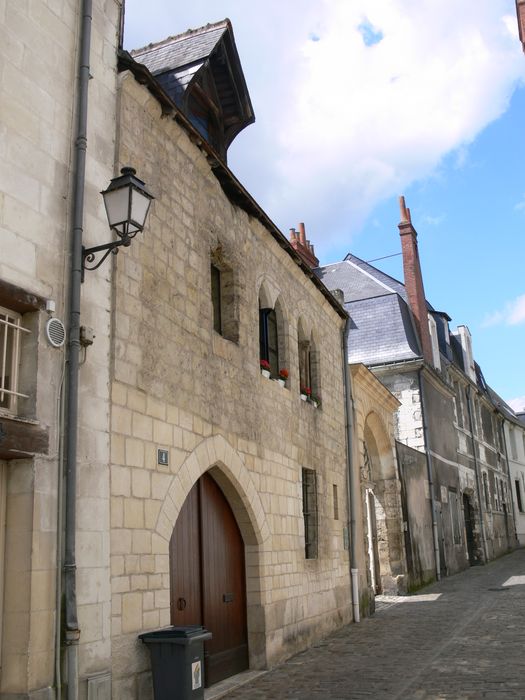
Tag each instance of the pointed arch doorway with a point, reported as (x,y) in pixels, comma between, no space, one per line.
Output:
(207,578)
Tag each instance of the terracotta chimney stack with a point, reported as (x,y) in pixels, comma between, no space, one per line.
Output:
(414,279)
(520,11)
(303,246)
(302,235)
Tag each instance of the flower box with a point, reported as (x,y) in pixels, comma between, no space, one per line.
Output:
(265,373)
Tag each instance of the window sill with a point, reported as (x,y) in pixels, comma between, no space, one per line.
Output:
(280,382)
(313,403)
(21,437)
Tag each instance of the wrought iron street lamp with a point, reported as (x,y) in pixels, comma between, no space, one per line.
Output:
(127,203)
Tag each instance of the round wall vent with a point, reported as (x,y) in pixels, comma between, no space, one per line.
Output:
(56,332)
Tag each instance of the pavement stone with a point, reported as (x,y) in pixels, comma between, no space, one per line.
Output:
(460,639)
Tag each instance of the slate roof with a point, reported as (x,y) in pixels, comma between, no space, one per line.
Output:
(353,280)
(185,53)
(381,331)
(381,277)
(381,328)
(176,60)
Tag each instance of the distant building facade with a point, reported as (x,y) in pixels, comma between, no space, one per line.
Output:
(443,458)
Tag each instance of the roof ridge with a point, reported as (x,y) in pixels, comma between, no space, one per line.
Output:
(179,37)
(394,279)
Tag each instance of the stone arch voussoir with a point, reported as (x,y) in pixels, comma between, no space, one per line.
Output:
(215,454)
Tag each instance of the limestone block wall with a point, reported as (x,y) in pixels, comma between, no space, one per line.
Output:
(375,409)
(38,71)
(515,441)
(180,386)
(409,420)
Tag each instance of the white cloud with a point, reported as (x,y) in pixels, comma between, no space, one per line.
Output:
(520,205)
(517,404)
(354,100)
(432,220)
(512,314)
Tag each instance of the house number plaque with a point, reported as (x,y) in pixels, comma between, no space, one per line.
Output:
(163,457)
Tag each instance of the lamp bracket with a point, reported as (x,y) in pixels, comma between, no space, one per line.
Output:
(88,254)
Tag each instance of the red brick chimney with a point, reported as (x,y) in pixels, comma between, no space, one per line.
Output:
(414,280)
(303,247)
(520,11)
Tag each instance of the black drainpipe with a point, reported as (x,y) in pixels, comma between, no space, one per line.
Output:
(71,630)
(351,483)
(433,508)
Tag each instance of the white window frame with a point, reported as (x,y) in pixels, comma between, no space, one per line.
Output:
(11,326)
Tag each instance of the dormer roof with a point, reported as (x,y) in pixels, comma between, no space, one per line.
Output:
(201,71)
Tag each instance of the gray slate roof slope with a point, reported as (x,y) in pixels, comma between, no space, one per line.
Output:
(381,331)
(355,282)
(178,52)
(382,277)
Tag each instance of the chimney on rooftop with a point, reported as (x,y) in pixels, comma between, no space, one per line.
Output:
(520,11)
(303,246)
(414,280)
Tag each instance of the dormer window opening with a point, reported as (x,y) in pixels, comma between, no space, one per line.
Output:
(203,115)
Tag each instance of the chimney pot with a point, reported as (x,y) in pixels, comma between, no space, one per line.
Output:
(405,212)
(302,234)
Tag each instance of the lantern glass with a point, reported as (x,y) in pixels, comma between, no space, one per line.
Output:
(140,203)
(117,208)
(127,203)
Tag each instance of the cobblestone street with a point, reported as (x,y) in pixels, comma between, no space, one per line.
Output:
(463,638)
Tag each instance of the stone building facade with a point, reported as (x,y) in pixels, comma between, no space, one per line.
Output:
(181,386)
(39,44)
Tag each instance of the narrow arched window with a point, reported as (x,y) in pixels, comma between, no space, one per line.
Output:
(269,339)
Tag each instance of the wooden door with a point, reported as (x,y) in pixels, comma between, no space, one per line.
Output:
(207,578)
(467,513)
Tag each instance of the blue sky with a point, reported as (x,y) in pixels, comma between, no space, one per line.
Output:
(357,103)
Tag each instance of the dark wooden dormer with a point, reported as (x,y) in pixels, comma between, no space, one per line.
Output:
(201,71)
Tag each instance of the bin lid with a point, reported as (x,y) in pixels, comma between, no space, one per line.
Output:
(168,634)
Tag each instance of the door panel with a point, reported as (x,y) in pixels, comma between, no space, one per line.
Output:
(207,578)
(224,601)
(185,565)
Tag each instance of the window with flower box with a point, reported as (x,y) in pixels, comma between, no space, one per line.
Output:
(309,366)
(269,339)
